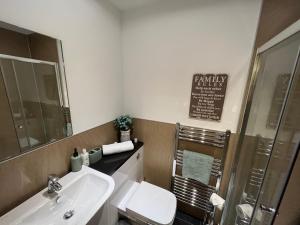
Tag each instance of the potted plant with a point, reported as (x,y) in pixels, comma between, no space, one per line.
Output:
(124,124)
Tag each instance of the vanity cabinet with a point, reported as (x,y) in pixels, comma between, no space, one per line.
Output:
(124,177)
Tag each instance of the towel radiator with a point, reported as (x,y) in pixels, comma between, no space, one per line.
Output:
(192,195)
(262,151)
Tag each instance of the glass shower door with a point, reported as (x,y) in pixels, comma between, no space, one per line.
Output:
(51,100)
(13,94)
(285,149)
(24,98)
(31,104)
(263,139)
(36,102)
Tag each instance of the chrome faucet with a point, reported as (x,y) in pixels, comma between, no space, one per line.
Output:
(53,184)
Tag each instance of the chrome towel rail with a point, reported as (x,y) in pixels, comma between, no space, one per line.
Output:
(190,191)
(202,136)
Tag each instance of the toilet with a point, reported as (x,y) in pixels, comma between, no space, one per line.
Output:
(146,203)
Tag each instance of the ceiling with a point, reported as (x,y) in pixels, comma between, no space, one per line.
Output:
(130,4)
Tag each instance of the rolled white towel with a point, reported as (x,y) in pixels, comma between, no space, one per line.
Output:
(244,211)
(174,168)
(117,147)
(217,201)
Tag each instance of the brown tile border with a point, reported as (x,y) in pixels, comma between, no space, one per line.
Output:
(23,176)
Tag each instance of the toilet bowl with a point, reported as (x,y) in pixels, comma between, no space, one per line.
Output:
(147,203)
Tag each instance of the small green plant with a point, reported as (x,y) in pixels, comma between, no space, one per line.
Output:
(123,122)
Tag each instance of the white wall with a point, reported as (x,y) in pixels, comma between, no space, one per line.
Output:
(90,34)
(165,44)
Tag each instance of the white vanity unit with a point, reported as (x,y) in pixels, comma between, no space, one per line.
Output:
(133,198)
(114,186)
(86,197)
(125,179)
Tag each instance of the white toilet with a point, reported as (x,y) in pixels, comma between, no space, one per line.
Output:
(146,203)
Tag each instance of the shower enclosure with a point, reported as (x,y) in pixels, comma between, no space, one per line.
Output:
(270,134)
(35,100)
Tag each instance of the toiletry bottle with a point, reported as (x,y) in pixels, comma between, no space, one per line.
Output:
(76,162)
(85,157)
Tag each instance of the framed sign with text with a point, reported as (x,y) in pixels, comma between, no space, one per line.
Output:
(207,96)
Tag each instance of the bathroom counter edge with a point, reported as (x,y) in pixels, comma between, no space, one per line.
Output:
(109,164)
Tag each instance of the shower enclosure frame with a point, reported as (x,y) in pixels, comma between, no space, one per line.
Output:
(58,74)
(289,31)
(29,60)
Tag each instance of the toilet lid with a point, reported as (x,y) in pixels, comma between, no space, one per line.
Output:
(152,204)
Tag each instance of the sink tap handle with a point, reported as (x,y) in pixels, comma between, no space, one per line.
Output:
(53,178)
(53,184)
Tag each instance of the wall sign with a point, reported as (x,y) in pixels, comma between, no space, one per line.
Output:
(282,84)
(207,96)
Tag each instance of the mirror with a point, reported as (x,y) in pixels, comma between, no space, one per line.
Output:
(33,92)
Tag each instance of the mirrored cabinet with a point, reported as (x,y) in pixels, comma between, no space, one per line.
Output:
(33,95)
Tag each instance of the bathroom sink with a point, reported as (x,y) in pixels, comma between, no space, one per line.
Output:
(82,195)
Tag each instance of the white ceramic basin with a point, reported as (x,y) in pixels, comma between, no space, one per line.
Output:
(84,192)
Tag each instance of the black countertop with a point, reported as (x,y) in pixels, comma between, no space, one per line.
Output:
(111,163)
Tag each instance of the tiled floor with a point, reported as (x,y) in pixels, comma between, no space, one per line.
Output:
(184,219)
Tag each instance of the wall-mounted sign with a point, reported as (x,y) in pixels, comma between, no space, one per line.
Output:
(207,96)
(282,84)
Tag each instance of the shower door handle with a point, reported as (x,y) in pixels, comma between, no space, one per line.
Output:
(267,209)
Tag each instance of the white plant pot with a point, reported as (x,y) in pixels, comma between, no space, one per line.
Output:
(124,135)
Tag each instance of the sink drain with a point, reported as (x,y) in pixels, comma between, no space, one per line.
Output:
(68,214)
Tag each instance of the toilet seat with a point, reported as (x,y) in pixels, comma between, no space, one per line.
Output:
(151,204)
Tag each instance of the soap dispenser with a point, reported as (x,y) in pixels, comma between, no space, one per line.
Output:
(76,162)
(85,157)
